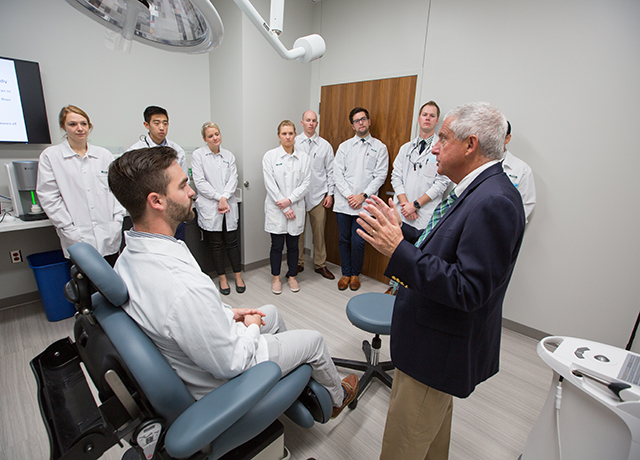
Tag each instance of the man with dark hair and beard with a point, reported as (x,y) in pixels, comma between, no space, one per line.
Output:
(178,306)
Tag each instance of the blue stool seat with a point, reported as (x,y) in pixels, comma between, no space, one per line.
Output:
(370,312)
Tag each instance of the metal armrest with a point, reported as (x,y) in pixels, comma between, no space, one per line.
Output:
(208,418)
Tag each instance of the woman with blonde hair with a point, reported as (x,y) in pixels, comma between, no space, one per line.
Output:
(215,176)
(73,190)
(287,176)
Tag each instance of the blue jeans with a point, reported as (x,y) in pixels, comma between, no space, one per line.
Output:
(350,245)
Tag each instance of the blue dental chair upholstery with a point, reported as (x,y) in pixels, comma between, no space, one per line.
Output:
(143,401)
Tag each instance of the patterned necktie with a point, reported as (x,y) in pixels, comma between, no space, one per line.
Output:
(439,212)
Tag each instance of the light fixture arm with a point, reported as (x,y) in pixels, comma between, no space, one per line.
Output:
(305,49)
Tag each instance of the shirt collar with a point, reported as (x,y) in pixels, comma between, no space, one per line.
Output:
(153,144)
(138,234)
(68,151)
(313,138)
(419,139)
(367,140)
(464,183)
(283,153)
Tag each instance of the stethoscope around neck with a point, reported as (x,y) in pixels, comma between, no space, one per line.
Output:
(418,163)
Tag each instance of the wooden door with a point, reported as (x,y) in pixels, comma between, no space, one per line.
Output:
(390,105)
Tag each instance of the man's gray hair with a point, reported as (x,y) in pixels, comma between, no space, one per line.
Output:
(483,120)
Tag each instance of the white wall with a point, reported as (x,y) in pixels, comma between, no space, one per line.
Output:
(565,74)
(112,87)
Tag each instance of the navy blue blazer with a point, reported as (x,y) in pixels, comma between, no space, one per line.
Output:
(447,317)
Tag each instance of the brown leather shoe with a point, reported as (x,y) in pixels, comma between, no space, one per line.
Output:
(324,271)
(350,384)
(354,284)
(343,283)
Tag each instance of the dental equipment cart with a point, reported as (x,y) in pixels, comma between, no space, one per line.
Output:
(596,413)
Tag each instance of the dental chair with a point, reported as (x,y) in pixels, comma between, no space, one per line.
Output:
(142,400)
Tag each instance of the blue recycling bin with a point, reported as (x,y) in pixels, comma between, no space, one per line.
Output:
(51,270)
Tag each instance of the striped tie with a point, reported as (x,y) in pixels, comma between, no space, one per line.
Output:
(439,212)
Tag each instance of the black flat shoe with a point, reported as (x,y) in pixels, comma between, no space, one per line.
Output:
(226,291)
(241,289)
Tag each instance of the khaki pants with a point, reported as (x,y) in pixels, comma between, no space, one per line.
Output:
(317,221)
(418,423)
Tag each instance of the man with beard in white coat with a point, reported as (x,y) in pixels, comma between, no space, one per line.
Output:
(178,306)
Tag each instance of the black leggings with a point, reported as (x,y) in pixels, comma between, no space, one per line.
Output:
(275,256)
(225,240)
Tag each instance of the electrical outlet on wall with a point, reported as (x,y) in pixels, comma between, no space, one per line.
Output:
(16,256)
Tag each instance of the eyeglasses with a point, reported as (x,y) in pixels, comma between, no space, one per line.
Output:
(360,120)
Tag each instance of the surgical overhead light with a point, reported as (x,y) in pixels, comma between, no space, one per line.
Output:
(191,26)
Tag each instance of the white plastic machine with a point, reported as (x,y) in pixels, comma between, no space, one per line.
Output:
(23,178)
(596,412)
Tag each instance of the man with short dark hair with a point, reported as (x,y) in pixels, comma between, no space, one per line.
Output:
(447,317)
(360,168)
(156,121)
(178,306)
(320,196)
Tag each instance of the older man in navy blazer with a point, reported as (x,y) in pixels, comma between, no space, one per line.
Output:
(445,333)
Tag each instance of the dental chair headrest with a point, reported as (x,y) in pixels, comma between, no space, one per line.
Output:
(89,261)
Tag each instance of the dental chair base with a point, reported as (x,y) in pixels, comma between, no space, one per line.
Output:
(141,400)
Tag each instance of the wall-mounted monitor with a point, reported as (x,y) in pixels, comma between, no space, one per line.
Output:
(23,115)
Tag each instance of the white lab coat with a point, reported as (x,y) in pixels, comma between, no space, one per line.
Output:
(179,308)
(521,176)
(146,141)
(321,155)
(215,175)
(415,182)
(285,176)
(75,194)
(359,167)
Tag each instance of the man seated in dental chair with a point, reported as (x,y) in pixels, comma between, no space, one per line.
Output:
(179,306)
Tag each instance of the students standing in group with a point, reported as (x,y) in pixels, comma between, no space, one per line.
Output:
(73,191)
(415,179)
(521,176)
(156,121)
(359,170)
(215,176)
(320,194)
(286,177)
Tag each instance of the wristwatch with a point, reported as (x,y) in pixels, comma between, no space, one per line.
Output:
(416,204)
(365,196)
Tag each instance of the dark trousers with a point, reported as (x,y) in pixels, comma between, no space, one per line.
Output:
(180,231)
(350,245)
(225,240)
(275,255)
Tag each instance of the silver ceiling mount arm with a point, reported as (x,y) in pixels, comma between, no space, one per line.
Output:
(305,49)
(191,26)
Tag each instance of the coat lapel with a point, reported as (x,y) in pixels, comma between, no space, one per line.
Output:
(484,175)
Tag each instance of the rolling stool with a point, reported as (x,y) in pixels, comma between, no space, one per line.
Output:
(370,312)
